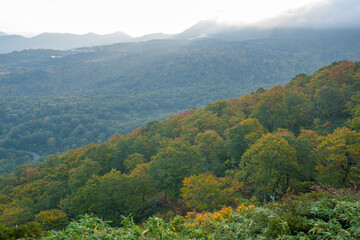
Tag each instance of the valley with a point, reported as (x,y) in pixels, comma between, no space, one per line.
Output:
(56,100)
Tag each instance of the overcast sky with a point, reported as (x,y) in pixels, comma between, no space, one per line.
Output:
(139,17)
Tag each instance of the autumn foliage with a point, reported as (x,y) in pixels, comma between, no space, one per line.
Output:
(223,158)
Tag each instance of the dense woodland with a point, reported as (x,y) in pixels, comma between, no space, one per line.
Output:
(272,164)
(53,101)
(48,125)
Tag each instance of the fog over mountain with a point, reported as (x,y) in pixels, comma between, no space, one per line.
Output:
(328,14)
(325,14)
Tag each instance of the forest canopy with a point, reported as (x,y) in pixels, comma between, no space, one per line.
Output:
(255,149)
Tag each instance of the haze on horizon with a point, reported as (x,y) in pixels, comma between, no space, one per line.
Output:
(140,17)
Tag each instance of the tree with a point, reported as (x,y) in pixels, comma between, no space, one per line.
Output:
(338,158)
(242,136)
(52,219)
(109,196)
(83,172)
(175,161)
(200,121)
(203,192)
(271,110)
(355,122)
(141,180)
(133,160)
(298,108)
(305,174)
(212,146)
(51,142)
(16,212)
(217,107)
(354,107)
(268,164)
(330,102)
(305,144)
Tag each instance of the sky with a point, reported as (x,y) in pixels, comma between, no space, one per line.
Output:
(140,17)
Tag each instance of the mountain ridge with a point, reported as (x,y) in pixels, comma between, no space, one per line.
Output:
(66,41)
(202,29)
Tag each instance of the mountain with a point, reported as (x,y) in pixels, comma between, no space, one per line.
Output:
(65,41)
(91,93)
(153,36)
(58,41)
(203,29)
(319,15)
(174,64)
(226,32)
(302,136)
(211,29)
(9,43)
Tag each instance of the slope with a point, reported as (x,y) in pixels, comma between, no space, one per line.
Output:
(256,147)
(57,100)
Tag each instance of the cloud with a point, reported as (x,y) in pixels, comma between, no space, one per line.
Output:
(323,14)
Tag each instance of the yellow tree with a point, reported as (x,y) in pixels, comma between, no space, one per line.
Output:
(203,192)
(52,219)
(338,158)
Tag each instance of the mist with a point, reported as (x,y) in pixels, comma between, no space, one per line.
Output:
(324,14)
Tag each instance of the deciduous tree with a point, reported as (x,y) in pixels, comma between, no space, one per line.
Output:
(203,192)
(338,158)
(268,163)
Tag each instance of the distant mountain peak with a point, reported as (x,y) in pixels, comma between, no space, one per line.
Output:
(118,33)
(90,34)
(153,36)
(204,28)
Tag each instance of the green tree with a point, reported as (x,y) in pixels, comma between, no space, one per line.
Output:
(242,136)
(330,102)
(305,144)
(212,146)
(175,160)
(298,108)
(141,180)
(268,163)
(133,160)
(200,121)
(109,196)
(271,110)
(83,172)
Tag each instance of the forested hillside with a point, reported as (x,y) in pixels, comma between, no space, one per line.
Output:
(53,101)
(285,145)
